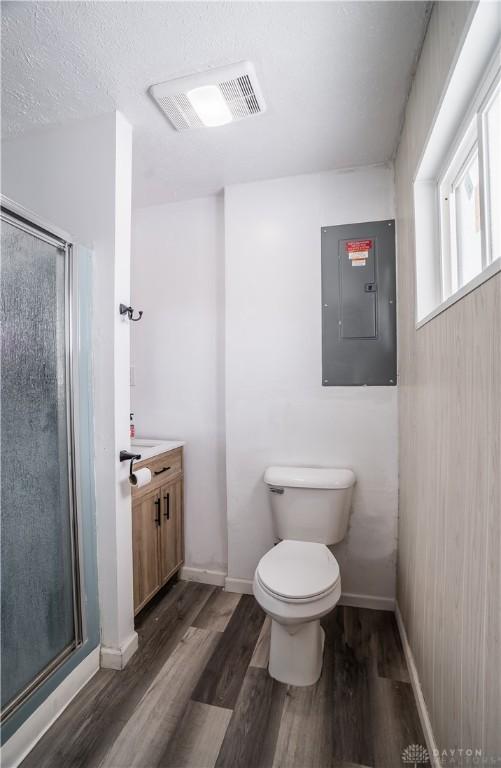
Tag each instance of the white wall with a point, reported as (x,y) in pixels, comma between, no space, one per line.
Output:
(276,409)
(277,412)
(79,178)
(178,348)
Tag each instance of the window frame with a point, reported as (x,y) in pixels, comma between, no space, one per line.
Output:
(486,104)
(474,62)
(471,138)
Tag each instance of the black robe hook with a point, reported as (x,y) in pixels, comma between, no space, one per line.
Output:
(124,310)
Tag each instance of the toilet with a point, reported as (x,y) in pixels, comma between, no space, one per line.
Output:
(298,580)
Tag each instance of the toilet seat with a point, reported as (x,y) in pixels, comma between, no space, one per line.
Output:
(298,572)
(294,600)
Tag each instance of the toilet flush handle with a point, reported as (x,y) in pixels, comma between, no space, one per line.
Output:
(276,490)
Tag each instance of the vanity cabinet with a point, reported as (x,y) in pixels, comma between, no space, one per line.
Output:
(157,526)
(171,530)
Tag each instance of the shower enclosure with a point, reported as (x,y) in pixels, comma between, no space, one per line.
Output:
(41,574)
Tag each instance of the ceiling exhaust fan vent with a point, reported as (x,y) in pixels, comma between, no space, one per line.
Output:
(216,97)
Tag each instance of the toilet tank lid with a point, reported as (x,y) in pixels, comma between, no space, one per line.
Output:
(309,477)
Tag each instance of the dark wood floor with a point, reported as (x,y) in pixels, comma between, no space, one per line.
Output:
(197,694)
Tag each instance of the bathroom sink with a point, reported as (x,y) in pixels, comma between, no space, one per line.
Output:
(140,443)
(149,447)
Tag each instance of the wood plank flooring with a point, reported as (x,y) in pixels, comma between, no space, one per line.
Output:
(197,694)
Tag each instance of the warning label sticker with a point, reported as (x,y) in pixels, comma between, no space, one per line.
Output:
(356,246)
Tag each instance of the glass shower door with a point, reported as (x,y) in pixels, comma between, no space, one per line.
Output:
(40,614)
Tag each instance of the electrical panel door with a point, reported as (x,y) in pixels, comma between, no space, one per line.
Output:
(359,304)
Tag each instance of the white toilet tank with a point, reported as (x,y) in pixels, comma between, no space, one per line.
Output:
(310,504)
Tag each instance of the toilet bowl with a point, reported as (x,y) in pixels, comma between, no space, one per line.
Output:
(296,583)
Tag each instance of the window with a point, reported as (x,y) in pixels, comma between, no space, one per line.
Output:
(457,185)
(469,195)
(492,133)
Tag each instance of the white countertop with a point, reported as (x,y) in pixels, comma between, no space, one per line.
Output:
(149,447)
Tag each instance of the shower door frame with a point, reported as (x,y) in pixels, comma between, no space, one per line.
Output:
(25,220)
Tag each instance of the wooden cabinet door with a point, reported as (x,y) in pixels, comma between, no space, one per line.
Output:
(145,547)
(171,529)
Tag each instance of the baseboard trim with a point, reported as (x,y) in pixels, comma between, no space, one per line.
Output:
(367,601)
(117,658)
(418,693)
(204,576)
(244,587)
(240,586)
(31,731)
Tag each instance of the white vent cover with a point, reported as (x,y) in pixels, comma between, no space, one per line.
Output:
(237,84)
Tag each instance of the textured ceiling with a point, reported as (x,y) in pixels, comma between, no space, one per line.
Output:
(335,77)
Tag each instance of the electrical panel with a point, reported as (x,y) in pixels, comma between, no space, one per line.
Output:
(359,338)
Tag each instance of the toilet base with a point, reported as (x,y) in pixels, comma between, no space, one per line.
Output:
(296,652)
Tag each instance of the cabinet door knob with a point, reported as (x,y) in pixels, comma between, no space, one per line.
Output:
(157,513)
(167,506)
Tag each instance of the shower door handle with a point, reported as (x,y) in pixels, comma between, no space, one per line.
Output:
(157,513)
